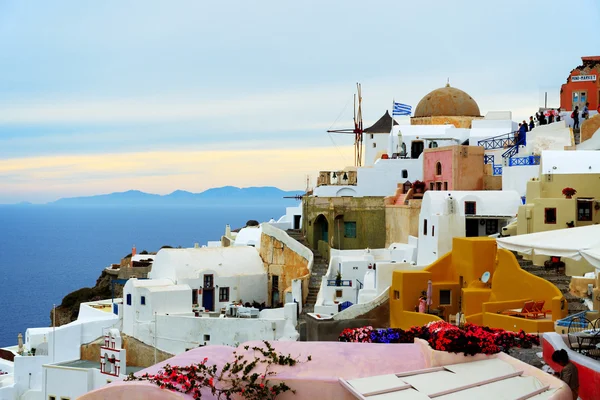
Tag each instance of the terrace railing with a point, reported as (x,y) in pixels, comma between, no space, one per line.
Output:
(498,142)
(334,282)
(527,160)
(488,159)
(513,150)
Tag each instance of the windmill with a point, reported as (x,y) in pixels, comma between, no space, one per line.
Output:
(358,128)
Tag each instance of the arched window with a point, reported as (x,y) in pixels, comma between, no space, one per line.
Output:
(438,168)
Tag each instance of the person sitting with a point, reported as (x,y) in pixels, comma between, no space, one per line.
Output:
(568,374)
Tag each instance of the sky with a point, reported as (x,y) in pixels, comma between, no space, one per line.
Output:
(105,96)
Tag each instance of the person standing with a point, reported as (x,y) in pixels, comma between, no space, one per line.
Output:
(568,374)
(542,118)
(586,111)
(575,117)
(531,123)
(551,116)
(558,115)
(522,138)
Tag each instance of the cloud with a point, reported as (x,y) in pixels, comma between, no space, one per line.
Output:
(47,178)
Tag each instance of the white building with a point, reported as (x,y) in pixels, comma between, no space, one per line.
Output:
(445,215)
(365,274)
(216,276)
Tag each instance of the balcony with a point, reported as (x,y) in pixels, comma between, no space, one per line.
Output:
(337,178)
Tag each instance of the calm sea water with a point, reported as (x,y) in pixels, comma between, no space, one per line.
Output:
(47,252)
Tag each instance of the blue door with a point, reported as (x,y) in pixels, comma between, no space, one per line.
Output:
(208,299)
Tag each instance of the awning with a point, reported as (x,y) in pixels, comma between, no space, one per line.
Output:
(572,243)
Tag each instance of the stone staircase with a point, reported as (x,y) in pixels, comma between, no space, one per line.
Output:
(320,266)
(560,280)
(577,136)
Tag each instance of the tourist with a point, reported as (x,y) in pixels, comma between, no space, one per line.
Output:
(551,116)
(568,374)
(542,118)
(586,112)
(531,123)
(575,116)
(558,115)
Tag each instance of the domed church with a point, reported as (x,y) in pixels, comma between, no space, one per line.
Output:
(446,105)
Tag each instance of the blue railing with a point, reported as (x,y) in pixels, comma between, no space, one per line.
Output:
(497,170)
(527,160)
(488,159)
(333,282)
(513,150)
(498,142)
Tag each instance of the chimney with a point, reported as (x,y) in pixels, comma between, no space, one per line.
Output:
(196,245)
(227,230)
(133,252)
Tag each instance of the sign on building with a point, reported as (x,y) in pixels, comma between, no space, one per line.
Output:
(583,78)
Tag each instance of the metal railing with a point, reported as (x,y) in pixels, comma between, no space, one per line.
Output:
(497,170)
(334,282)
(488,159)
(527,160)
(498,142)
(513,150)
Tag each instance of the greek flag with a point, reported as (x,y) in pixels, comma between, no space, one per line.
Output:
(401,109)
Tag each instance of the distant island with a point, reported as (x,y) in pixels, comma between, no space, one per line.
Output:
(227,195)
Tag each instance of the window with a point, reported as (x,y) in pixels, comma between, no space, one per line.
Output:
(51,397)
(445,297)
(431,185)
(470,208)
(438,186)
(550,215)
(491,226)
(129,299)
(396,295)
(208,281)
(371,136)
(575,97)
(445,185)
(404,173)
(583,97)
(206,338)
(224,294)
(65,398)
(143,300)
(432,230)
(433,145)
(584,210)
(374,145)
(339,293)
(194,296)
(403,152)
(350,229)
(424,227)
(416,148)
(438,168)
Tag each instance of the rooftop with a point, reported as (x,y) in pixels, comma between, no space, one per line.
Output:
(86,364)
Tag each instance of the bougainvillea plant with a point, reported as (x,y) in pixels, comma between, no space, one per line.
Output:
(470,339)
(239,377)
(569,192)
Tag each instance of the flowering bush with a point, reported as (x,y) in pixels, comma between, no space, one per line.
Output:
(470,339)
(569,191)
(236,378)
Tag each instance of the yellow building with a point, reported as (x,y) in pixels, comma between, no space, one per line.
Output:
(548,209)
(457,286)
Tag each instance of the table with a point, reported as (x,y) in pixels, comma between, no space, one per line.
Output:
(591,336)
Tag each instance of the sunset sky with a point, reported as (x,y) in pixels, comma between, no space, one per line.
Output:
(105,96)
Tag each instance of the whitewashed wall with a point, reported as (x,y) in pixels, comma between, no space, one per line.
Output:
(175,334)
(516,178)
(28,373)
(375,143)
(67,382)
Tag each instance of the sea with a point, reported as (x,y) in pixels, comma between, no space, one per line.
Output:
(48,251)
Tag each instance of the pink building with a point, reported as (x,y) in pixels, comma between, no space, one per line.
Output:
(453,168)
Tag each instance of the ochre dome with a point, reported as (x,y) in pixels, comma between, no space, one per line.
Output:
(447,102)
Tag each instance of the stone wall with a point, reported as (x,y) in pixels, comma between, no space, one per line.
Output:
(285,258)
(138,354)
(368,213)
(589,127)
(402,221)
(458,122)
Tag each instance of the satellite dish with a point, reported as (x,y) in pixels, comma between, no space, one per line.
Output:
(485,277)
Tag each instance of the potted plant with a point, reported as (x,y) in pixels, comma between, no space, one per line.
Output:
(569,192)
(338,279)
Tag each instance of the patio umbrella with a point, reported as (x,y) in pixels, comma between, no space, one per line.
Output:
(429,293)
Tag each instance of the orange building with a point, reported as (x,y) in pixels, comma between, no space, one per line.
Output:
(583,85)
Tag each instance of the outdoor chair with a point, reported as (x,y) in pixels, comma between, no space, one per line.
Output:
(526,310)
(538,310)
(576,326)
